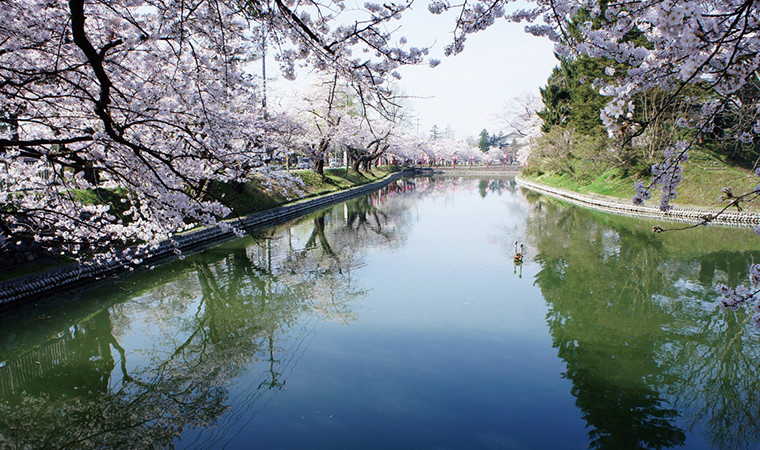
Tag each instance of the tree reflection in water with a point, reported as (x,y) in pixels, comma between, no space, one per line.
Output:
(197,347)
(633,315)
(161,355)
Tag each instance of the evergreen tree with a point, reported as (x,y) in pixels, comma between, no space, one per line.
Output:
(435,133)
(570,98)
(557,100)
(485,142)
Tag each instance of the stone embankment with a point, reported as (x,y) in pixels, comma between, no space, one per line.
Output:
(15,292)
(627,208)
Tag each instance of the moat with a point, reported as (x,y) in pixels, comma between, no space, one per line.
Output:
(402,320)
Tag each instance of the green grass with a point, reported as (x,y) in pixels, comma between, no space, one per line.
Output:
(339,179)
(704,178)
(249,197)
(253,196)
(611,183)
(116,198)
(244,199)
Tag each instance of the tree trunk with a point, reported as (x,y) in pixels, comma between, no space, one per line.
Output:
(319,164)
(319,167)
(356,164)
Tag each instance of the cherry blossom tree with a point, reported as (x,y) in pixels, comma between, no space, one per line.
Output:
(146,99)
(675,47)
(408,147)
(520,114)
(451,150)
(366,140)
(659,44)
(145,103)
(323,112)
(343,116)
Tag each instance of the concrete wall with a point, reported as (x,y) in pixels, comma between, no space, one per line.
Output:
(21,290)
(627,208)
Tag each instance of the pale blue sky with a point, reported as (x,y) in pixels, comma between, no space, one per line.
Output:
(467,91)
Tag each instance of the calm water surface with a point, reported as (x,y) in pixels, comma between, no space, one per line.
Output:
(400,320)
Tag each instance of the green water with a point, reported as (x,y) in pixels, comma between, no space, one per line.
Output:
(401,320)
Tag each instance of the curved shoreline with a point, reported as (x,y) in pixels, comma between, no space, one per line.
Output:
(621,207)
(14,292)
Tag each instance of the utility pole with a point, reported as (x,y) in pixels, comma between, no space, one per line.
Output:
(264,70)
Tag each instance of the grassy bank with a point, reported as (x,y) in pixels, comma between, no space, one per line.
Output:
(251,197)
(257,196)
(705,176)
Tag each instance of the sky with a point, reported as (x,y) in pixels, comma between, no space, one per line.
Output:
(467,92)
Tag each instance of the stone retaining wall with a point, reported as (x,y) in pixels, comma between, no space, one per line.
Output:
(621,207)
(16,291)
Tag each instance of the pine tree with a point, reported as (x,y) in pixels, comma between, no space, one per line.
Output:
(435,133)
(485,142)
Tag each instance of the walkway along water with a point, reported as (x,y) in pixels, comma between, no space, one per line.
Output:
(627,208)
(19,290)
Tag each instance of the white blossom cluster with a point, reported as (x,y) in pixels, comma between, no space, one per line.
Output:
(664,44)
(328,36)
(743,296)
(335,116)
(447,150)
(149,101)
(666,174)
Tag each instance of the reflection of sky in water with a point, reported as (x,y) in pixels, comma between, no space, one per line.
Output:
(449,347)
(402,321)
